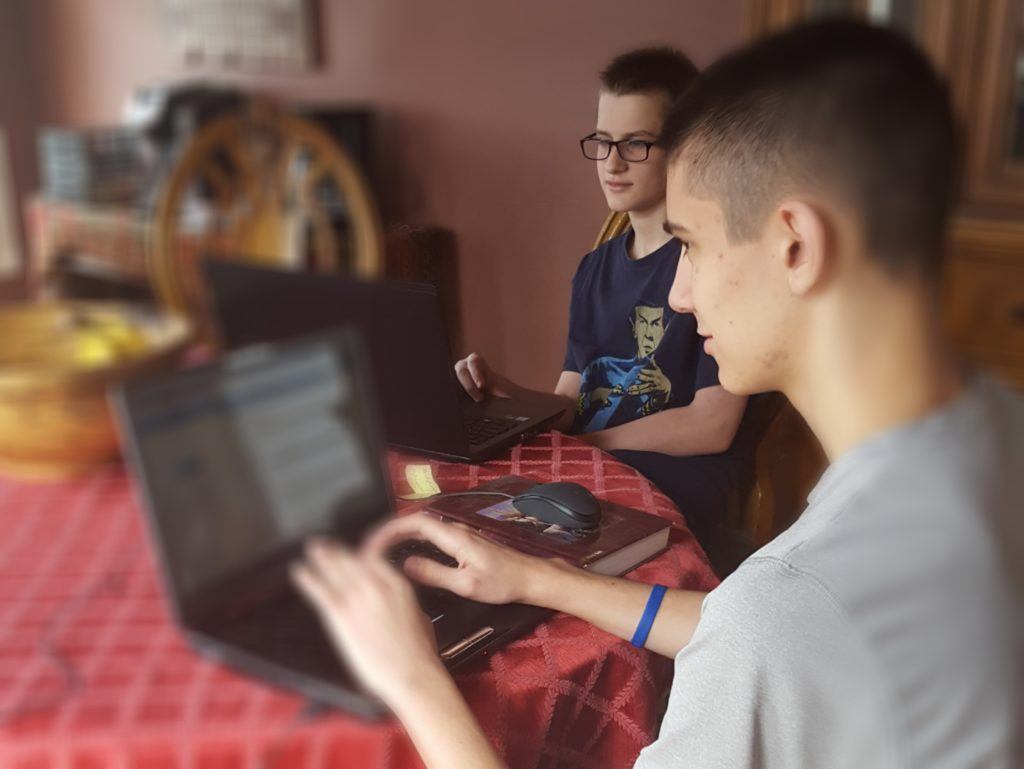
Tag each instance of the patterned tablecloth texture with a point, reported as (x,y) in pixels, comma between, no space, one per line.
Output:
(95,675)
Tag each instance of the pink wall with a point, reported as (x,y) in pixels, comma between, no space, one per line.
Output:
(481,104)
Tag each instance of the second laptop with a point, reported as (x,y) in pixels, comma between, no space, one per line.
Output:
(424,407)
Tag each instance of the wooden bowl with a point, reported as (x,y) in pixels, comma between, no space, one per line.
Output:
(57,360)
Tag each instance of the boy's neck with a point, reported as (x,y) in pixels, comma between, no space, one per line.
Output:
(868,372)
(648,231)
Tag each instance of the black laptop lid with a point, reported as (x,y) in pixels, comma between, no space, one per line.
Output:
(245,458)
(401,322)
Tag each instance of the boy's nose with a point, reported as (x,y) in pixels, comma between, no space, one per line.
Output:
(614,161)
(680,296)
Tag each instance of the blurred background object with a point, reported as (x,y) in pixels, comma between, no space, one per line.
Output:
(476,109)
(240,179)
(10,251)
(260,185)
(126,213)
(261,35)
(56,361)
(101,165)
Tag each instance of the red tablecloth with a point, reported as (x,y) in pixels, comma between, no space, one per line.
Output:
(94,675)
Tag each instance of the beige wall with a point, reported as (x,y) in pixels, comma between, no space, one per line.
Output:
(481,103)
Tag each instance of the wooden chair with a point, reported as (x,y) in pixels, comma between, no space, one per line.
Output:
(787,462)
(614,225)
(276,190)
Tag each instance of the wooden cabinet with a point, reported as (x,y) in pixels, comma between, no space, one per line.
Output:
(978,46)
(984,294)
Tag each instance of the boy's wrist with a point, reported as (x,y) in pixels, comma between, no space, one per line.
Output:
(549,582)
(432,686)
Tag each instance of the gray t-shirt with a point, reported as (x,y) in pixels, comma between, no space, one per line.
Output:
(883,629)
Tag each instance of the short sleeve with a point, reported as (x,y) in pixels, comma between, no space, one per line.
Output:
(571,348)
(578,309)
(771,679)
(707,370)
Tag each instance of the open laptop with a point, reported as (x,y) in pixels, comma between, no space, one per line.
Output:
(240,462)
(424,407)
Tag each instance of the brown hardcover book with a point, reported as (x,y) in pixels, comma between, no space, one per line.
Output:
(625,538)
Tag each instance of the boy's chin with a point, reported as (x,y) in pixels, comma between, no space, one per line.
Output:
(734,381)
(737,383)
(617,204)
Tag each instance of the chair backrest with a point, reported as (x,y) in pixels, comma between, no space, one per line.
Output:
(614,225)
(787,463)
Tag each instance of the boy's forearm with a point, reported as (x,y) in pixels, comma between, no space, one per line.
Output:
(665,432)
(442,727)
(707,426)
(615,605)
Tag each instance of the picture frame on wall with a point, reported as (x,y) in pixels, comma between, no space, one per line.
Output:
(269,36)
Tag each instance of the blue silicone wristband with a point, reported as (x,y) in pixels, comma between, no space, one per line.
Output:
(647,620)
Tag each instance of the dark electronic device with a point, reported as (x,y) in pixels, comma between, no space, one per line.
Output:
(242,460)
(564,504)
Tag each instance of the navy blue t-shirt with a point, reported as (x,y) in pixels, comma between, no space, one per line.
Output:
(635,354)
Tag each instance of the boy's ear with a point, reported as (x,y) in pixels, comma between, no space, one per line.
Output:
(805,244)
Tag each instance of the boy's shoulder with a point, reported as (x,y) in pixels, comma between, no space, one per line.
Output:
(600,255)
(928,509)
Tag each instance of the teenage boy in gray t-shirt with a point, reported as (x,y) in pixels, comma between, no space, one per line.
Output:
(810,181)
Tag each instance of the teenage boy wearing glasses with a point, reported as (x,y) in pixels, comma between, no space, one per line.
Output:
(636,375)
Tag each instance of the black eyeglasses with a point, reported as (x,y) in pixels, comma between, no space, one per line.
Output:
(630,150)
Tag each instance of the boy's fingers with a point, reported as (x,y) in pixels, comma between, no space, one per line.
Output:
(391,533)
(383,570)
(465,378)
(333,564)
(448,537)
(307,583)
(430,572)
(477,370)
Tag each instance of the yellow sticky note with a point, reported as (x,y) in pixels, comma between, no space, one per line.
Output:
(421,481)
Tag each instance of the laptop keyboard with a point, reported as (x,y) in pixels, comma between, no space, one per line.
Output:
(287,626)
(480,430)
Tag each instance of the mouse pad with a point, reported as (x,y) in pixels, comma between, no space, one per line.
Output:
(507,512)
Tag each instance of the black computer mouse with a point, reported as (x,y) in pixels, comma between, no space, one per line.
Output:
(568,505)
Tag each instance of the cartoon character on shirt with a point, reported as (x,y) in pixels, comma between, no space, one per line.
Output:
(617,390)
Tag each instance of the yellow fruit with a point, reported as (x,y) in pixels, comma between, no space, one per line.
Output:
(93,351)
(128,341)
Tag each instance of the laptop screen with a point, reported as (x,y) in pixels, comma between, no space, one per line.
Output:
(402,324)
(245,458)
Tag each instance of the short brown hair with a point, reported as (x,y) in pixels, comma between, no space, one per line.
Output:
(839,105)
(660,68)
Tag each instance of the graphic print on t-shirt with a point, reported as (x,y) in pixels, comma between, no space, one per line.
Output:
(616,390)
